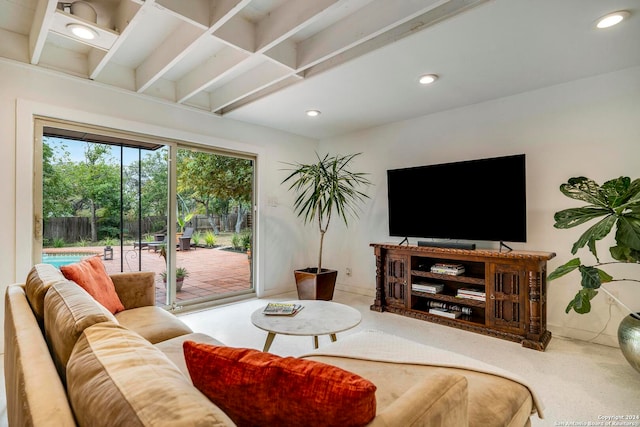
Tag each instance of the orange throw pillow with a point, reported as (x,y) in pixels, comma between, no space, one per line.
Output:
(91,275)
(261,389)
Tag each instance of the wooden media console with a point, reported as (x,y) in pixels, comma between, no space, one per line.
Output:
(501,294)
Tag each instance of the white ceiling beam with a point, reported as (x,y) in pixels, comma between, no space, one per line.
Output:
(42,20)
(223,10)
(252,81)
(284,53)
(288,19)
(174,48)
(371,20)
(130,14)
(184,40)
(267,90)
(206,74)
(239,33)
(417,24)
(194,11)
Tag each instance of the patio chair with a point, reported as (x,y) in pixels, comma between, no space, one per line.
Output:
(184,243)
(157,245)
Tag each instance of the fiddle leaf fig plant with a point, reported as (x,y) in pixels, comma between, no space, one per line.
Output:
(616,206)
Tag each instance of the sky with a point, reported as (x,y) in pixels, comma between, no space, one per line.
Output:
(76,150)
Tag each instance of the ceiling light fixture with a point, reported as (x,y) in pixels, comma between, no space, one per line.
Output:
(313,113)
(82,31)
(612,19)
(428,79)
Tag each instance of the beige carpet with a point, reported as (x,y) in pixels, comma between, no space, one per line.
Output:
(578,382)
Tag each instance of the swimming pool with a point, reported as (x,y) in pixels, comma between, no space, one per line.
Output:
(58,260)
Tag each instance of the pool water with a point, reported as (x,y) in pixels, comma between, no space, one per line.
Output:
(58,260)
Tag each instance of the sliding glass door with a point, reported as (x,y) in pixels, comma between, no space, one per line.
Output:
(183,212)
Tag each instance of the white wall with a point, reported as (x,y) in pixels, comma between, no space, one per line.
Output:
(589,127)
(26,91)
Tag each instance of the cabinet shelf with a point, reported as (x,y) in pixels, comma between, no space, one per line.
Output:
(450,298)
(449,277)
(514,284)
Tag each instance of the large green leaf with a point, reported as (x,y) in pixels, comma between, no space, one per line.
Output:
(593,277)
(593,233)
(581,303)
(585,189)
(565,269)
(616,191)
(628,233)
(572,217)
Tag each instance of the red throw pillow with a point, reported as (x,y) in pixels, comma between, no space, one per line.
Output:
(91,275)
(261,389)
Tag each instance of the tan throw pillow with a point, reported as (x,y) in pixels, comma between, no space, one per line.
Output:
(40,278)
(92,276)
(117,378)
(69,310)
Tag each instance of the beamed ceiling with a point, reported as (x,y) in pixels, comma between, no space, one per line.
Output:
(268,61)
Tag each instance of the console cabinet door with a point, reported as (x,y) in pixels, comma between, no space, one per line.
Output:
(396,280)
(506,298)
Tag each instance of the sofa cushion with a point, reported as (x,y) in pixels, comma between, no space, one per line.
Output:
(172,348)
(117,378)
(92,276)
(69,310)
(40,278)
(262,389)
(155,324)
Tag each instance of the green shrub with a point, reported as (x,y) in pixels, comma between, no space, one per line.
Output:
(245,239)
(58,242)
(196,237)
(210,239)
(235,241)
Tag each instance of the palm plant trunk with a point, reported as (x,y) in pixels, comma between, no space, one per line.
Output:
(320,255)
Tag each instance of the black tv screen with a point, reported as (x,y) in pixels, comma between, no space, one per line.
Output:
(471,200)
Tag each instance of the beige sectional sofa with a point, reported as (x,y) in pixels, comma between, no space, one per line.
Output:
(68,361)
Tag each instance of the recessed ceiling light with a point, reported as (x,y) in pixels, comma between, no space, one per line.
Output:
(428,79)
(612,19)
(313,113)
(82,31)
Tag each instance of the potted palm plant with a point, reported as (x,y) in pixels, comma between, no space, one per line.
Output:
(617,204)
(323,188)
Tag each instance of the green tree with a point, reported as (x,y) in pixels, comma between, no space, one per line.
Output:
(206,177)
(55,191)
(95,185)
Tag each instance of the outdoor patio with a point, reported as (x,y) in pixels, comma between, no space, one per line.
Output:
(212,271)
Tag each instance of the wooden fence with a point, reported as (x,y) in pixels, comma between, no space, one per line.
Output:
(76,229)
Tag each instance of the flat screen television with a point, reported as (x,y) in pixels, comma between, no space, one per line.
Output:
(481,199)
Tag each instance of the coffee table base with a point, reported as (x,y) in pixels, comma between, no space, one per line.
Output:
(271,336)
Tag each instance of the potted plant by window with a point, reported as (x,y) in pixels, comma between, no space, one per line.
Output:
(181,272)
(618,203)
(323,188)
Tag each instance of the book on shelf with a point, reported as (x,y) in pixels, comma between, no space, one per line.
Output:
(445,313)
(441,305)
(450,269)
(428,288)
(472,291)
(282,309)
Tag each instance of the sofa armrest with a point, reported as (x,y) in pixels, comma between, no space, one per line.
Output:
(135,289)
(435,401)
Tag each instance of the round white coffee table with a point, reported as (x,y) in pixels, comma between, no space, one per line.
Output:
(316,318)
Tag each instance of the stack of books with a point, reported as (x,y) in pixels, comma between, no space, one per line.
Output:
(445,312)
(427,287)
(449,269)
(472,293)
(282,309)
